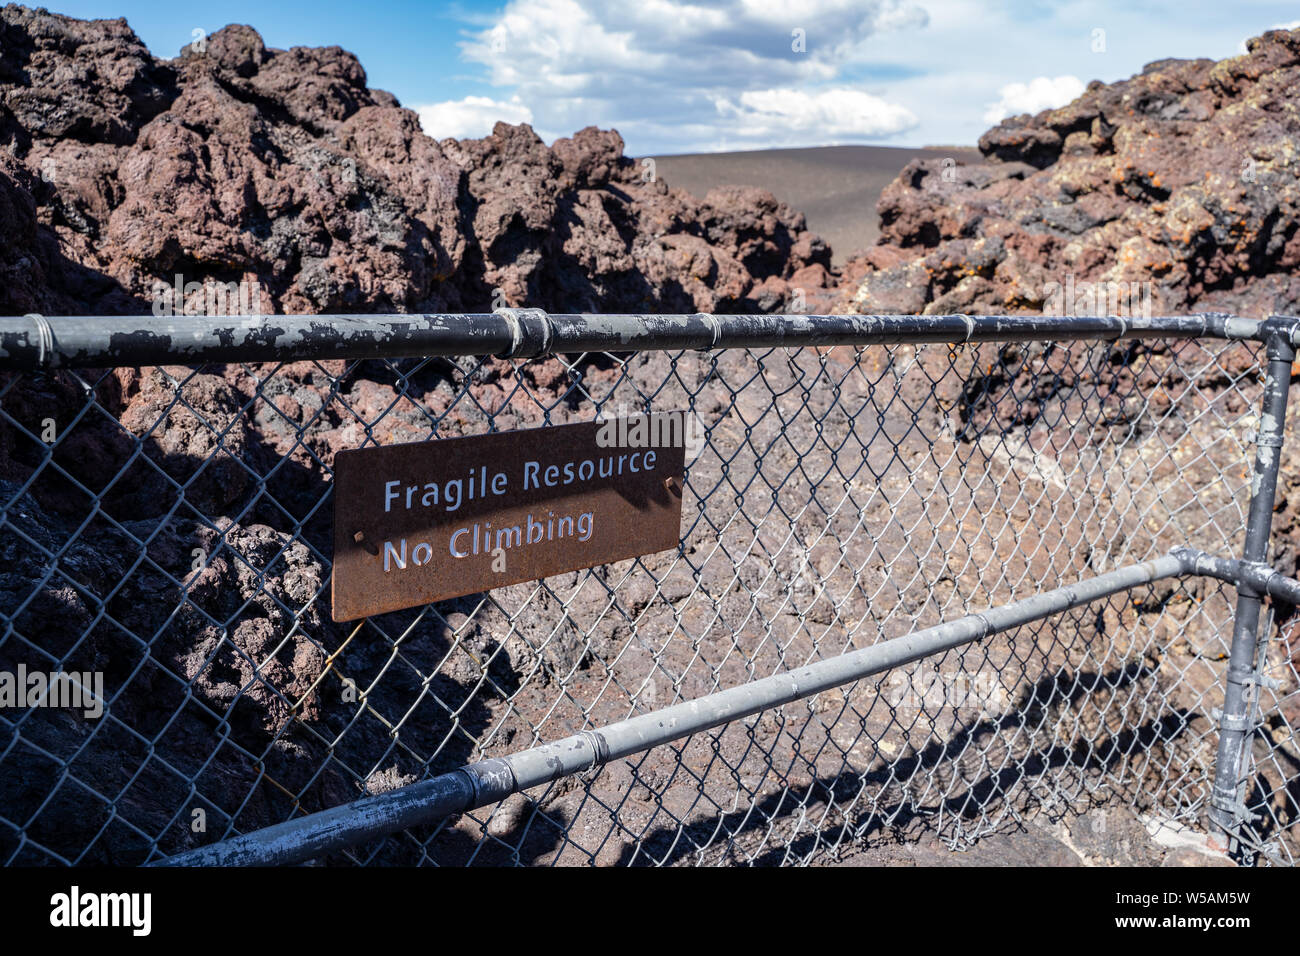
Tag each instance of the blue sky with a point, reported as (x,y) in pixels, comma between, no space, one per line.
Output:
(701,75)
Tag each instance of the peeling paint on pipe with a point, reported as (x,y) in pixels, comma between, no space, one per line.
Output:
(492,780)
(34,342)
(102,342)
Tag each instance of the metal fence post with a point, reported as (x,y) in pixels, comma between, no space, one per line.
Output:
(1227,809)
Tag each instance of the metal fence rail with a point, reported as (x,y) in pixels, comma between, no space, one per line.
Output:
(938,571)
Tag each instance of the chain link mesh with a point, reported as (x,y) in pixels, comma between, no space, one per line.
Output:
(170,528)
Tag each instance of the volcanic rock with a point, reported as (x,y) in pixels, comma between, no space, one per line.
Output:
(235,162)
(1183,177)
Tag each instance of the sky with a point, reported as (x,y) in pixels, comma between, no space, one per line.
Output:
(682,76)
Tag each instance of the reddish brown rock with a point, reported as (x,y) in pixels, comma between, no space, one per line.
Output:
(1183,177)
(235,162)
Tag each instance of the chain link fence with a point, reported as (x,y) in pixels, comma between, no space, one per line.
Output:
(168,528)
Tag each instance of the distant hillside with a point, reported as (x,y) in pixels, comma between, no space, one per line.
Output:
(835,187)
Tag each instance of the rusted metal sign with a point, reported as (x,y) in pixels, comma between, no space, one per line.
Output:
(426,521)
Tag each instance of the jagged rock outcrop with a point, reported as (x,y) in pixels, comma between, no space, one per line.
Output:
(236,162)
(1184,176)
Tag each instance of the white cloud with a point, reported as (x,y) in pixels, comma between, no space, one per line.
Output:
(657,70)
(1040,93)
(776,116)
(703,73)
(470,118)
(951,72)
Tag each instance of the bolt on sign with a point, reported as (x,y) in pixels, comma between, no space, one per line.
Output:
(431,520)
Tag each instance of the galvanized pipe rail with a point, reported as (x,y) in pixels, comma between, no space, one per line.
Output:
(489,781)
(36,342)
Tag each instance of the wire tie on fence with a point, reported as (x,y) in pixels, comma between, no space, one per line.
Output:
(44,336)
(715,328)
(516,329)
(518,334)
(548,331)
(970,327)
(599,748)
